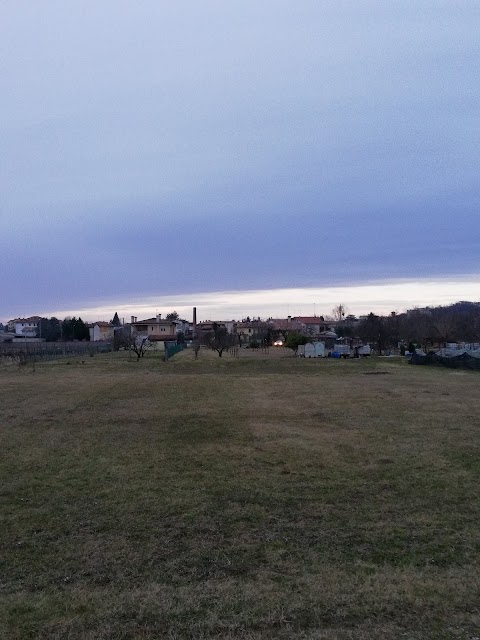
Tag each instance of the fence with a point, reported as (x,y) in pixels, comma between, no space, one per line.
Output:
(35,351)
(464,360)
(173,349)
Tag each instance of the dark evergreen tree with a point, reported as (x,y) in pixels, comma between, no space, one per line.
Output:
(49,329)
(116,320)
(75,329)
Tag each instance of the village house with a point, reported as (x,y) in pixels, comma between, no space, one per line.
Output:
(207,325)
(25,327)
(158,331)
(313,325)
(101,331)
(251,330)
(183,326)
(284,326)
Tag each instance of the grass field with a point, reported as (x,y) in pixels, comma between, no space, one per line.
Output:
(264,497)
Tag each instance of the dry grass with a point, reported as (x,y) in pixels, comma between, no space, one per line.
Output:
(264,497)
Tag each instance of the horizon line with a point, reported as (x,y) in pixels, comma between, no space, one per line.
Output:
(381,296)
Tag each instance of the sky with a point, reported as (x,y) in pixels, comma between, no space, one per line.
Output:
(251,157)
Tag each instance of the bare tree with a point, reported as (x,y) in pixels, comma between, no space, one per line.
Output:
(444,325)
(138,343)
(339,312)
(218,339)
(21,356)
(196,348)
(415,327)
(467,320)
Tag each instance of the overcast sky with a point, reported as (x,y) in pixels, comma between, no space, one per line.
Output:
(153,149)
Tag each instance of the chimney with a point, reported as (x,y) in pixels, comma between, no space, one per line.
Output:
(132,320)
(289,318)
(159,317)
(194,317)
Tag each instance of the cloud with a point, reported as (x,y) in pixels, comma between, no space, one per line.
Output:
(380,297)
(172,148)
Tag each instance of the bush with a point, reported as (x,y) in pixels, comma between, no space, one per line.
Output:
(294,340)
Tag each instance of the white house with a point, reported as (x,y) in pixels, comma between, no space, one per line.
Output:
(27,327)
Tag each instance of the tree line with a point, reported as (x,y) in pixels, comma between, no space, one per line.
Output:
(53,329)
(419,328)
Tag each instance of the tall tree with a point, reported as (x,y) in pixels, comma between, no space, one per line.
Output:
(444,324)
(49,329)
(116,320)
(339,312)
(75,329)
(372,329)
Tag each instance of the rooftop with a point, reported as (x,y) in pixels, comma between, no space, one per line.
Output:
(31,319)
(310,319)
(156,321)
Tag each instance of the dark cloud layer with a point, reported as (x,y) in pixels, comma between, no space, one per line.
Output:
(168,148)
